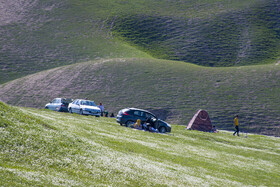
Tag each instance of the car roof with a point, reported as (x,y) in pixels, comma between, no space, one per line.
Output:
(141,110)
(84,100)
(62,98)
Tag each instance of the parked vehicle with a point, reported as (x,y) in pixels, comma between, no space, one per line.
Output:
(129,116)
(84,107)
(59,104)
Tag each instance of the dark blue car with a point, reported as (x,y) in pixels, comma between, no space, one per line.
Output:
(129,116)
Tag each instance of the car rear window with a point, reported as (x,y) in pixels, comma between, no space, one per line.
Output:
(67,100)
(123,111)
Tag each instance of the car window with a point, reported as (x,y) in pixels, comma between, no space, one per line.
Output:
(53,101)
(139,113)
(56,100)
(66,100)
(150,115)
(88,103)
(136,113)
(92,103)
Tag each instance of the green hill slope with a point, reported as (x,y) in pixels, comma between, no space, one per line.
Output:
(40,35)
(46,34)
(45,148)
(173,90)
(231,36)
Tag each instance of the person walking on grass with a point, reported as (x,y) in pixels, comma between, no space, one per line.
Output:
(236,126)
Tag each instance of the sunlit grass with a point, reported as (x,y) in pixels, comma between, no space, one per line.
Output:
(41,147)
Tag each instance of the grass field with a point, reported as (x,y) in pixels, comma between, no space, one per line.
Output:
(45,148)
(173,90)
(49,148)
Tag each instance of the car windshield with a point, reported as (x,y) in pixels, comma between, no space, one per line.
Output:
(88,103)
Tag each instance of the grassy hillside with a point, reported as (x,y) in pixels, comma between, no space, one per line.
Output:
(232,36)
(45,148)
(50,34)
(173,90)
(40,35)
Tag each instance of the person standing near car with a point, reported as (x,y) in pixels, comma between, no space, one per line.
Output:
(236,123)
(101,108)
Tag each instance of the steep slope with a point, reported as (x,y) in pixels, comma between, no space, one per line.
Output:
(173,90)
(233,37)
(45,148)
(38,35)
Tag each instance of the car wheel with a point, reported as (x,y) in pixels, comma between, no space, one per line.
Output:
(70,110)
(162,130)
(129,123)
(81,112)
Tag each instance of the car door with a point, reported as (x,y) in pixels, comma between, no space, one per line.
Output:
(77,107)
(52,105)
(57,104)
(74,107)
(71,106)
(140,115)
(153,118)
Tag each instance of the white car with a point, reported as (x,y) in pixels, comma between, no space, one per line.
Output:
(84,107)
(59,104)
